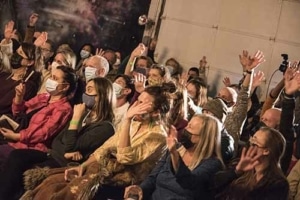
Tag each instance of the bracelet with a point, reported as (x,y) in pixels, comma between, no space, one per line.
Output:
(249,72)
(74,122)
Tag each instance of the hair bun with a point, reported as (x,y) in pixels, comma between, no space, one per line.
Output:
(168,87)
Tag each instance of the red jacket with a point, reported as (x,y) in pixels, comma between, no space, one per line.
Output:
(45,124)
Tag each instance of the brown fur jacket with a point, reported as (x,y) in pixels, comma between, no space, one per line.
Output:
(48,183)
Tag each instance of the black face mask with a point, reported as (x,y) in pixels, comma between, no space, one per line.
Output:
(185,139)
(15,61)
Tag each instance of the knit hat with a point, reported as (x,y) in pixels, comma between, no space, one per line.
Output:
(217,107)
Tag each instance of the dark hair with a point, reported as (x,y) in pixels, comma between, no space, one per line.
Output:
(178,67)
(200,87)
(195,69)
(161,70)
(148,59)
(129,85)
(276,143)
(90,45)
(105,92)
(161,101)
(29,50)
(69,77)
(114,59)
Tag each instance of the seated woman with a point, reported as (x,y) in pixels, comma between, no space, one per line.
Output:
(47,114)
(90,127)
(126,158)
(258,174)
(185,173)
(22,64)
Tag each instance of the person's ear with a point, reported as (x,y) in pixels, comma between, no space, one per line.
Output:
(31,62)
(126,91)
(66,88)
(51,54)
(266,152)
(155,113)
(100,72)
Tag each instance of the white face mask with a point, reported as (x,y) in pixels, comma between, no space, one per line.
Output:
(118,89)
(171,69)
(51,86)
(89,73)
(84,54)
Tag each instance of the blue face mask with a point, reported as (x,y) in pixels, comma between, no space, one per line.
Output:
(88,100)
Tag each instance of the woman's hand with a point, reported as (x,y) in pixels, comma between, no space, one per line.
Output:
(255,61)
(78,111)
(133,190)
(172,139)
(139,82)
(33,19)
(74,172)
(138,109)
(9,31)
(139,50)
(226,81)
(76,156)
(41,39)
(249,159)
(9,134)
(20,92)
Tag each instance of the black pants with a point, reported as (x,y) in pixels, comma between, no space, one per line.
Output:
(20,160)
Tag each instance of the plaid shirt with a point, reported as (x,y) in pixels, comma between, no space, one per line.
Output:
(45,124)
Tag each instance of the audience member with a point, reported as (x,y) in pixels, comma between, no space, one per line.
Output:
(185,172)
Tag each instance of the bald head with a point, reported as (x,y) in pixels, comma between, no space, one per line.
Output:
(228,95)
(271,117)
(98,62)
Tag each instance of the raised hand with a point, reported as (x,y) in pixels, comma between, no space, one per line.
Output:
(226,81)
(33,19)
(41,39)
(9,30)
(255,60)
(291,80)
(245,59)
(133,190)
(139,82)
(139,50)
(100,52)
(138,109)
(258,78)
(202,62)
(249,159)
(172,139)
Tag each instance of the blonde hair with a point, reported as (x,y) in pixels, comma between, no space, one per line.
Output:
(68,54)
(209,144)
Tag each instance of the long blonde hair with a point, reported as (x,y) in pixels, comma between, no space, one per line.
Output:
(209,144)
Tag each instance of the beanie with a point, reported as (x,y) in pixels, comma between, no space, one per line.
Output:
(217,107)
